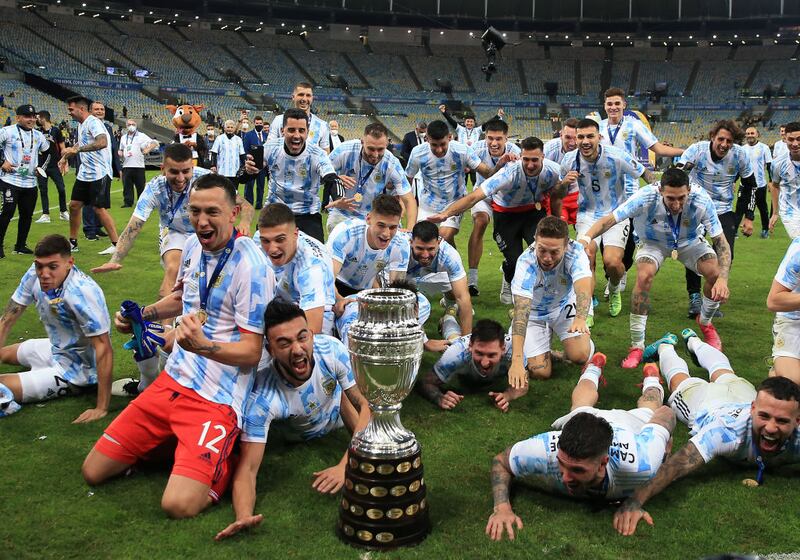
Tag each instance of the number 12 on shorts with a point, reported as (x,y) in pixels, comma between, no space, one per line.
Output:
(211,442)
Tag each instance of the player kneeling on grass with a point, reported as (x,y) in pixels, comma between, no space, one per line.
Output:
(552,290)
(784,300)
(224,286)
(598,454)
(756,428)
(308,387)
(77,353)
(477,360)
(670,217)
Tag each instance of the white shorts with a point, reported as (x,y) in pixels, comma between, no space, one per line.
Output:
(451,222)
(785,338)
(171,241)
(688,255)
(537,337)
(695,394)
(617,236)
(792,226)
(45,380)
(634,419)
(482,207)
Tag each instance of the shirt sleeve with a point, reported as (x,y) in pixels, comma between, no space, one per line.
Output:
(473,160)
(23,295)
(644,136)
(413,164)
(710,218)
(325,136)
(633,206)
(241,147)
(454,358)
(344,369)
(401,253)
(337,157)
(251,298)
(745,167)
(788,274)
(531,457)
(580,267)
(689,155)
(274,128)
(453,264)
(90,311)
(524,275)
(215,146)
(397,178)
(148,201)
(310,279)
(497,181)
(257,417)
(44,145)
(767,154)
(631,166)
(715,438)
(337,243)
(324,166)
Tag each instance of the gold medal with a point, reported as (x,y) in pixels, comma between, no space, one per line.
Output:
(674,254)
(750,483)
(538,205)
(202,316)
(358,197)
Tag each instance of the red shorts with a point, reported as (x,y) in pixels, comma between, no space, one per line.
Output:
(205,433)
(569,208)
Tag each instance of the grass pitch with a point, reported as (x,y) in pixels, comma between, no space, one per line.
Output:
(49,512)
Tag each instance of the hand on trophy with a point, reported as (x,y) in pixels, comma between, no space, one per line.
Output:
(330,480)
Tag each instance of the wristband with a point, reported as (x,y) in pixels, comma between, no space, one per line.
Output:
(585,238)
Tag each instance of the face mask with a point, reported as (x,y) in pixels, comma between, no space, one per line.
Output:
(245,128)
(334,132)
(259,127)
(229,135)
(132,128)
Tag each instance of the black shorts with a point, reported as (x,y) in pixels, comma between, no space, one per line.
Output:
(93,193)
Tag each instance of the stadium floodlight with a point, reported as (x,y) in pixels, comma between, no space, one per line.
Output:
(493,42)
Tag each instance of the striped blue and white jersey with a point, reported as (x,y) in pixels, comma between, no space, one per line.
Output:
(760,158)
(786,173)
(511,187)
(457,361)
(444,178)
(97,164)
(788,275)
(629,135)
(779,149)
(172,207)
(468,136)
(361,263)
(236,303)
(717,177)
(371,180)
(310,410)
(727,431)
(549,290)
(601,186)
(446,260)
(307,279)
(319,133)
(70,315)
(481,149)
(21,148)
(295,180)
(634,457)
(554,151)
(229,152)
(649,213)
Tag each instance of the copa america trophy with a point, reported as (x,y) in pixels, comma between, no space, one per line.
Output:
(383,502)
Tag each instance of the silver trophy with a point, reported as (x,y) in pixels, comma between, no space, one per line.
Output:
(384,500)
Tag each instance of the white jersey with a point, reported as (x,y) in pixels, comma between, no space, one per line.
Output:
(634,457)
(312,409)
(21,148)
(295,180)
(554,151)
(447,260)
(468,136)
(780,149)
(97,164)
(131,146)
(760,158)
(718,177)
(307,279)
(549,290)
(652,223)
(236,303)
(727,431)
(229,152)
(629,135)
(444,178)
(512,188)
(457,361)
(786,173)
(481,149)
(360,263)
(70,315)
(172,207)
(601,186)
(318,131)
(788,275)
(371,180)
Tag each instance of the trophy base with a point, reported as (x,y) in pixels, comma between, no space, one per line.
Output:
(383,503)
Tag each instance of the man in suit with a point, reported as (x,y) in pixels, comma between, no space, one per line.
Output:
(410,141)
(335,138)
(255,137)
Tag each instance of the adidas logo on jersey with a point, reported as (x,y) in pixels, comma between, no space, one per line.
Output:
(205,456)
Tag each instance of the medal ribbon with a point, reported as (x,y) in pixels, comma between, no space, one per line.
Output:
(173,208)
(362,182)
(759,464)
(206,287)
(675,226)
(613,135)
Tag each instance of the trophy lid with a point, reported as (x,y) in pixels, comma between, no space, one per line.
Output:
(387,306)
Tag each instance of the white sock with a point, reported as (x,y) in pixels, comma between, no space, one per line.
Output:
(148,371)
(591,348)
(707,310)
(638,326)
(671,364)
(472,279)
(591,373)
(612,287)
(652,383)
(709,357)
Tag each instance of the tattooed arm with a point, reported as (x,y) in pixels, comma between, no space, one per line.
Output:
(649,176)
(503,518)
(583,299)
(10,315)
(517,374)
(124,245)
(719,291)
(682,463)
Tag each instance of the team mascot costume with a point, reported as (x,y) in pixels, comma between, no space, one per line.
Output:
(186,119)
